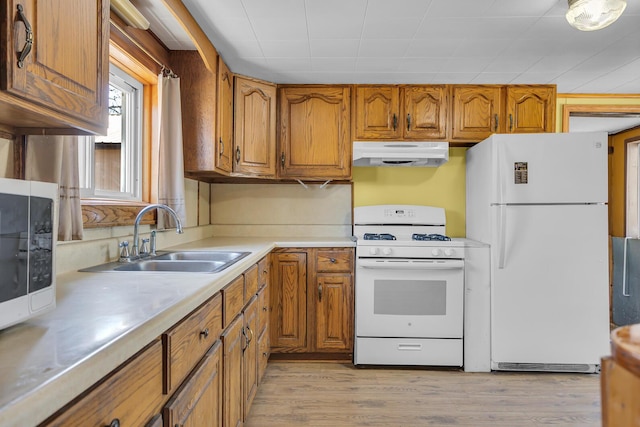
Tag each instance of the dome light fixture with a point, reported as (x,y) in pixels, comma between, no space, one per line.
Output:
(591,15)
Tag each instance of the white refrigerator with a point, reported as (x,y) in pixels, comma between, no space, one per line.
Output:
(540,202)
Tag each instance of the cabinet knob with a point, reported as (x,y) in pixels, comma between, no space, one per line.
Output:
(265,308)
(114,423)
(205,333)
(264,354)
(333,260)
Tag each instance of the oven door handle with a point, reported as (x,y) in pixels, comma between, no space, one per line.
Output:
(411,264)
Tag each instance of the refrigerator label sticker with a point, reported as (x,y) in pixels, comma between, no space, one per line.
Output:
(521,173)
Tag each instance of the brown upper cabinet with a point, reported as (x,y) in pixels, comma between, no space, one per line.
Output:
(55,68)
(401,112)
(315,137)
(479,111)
(254,127)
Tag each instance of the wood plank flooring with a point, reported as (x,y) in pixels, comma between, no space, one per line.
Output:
(340,395)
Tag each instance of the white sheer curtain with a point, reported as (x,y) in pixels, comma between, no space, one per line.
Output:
(55,159)
(167,150)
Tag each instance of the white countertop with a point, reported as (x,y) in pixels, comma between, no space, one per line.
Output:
(102,319)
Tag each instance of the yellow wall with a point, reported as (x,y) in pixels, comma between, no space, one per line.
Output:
(443,186)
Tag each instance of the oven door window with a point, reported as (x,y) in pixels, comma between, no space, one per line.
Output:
(14,246)
(410,297)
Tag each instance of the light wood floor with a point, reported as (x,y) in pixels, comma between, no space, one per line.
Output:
(337,395)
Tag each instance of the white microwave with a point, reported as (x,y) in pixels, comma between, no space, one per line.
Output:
(28,237)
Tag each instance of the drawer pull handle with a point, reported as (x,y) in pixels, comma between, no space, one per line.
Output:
(251,337)
(320,292)
(115,423)
(22,55)
(333,260)
(205,333)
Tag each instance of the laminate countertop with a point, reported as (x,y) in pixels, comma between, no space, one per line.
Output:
(102,319)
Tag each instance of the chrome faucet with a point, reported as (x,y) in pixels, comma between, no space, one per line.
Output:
(134,250)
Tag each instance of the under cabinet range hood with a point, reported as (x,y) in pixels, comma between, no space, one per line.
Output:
(400,153)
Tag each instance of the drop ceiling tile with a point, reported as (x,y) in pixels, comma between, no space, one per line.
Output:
(397,8)
(420,65)
(288,9)
(423,78)
(245,48)
(373,65)
(236,28)
(288,64)
(523,8)
(383,48)
(469,65)
(279,28)
(334,47)
(482,47)
(390,28)
(511,64)
(285,48)
(556,64)
(338,65)
(534,78)
(448,8)
(428,48)
(332,19)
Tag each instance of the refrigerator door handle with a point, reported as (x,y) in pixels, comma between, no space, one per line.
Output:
(625,292)
(502,236)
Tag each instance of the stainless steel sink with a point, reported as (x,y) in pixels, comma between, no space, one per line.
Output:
(168,265)
(178,261)
(217,256)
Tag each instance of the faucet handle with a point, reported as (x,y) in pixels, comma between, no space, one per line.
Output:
(144,250)
(152,251)
(125,256)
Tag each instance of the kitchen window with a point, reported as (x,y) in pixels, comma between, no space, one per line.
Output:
(111,165)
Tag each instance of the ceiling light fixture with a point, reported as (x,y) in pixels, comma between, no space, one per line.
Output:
(590,15)
(129,14)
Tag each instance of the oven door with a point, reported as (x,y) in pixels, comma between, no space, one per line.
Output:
(421,298)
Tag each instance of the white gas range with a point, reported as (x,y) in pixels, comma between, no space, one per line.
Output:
(409,287)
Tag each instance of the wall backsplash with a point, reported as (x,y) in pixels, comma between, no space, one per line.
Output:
(281,209)
(443,186)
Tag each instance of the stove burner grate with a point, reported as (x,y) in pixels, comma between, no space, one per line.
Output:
(381,236)
(439,237)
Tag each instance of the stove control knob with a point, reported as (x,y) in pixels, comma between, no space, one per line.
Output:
(386,251)
(373,251)
(449,252)
(435,252)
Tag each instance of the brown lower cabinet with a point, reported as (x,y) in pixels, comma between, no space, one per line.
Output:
(195,374)
(312,301)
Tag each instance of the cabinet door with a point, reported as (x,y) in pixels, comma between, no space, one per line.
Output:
(263,309)
(476,112)
(334,312)
(289,302)
(233,345)
(620,388)
(530,109)
(315,139)
(264,351)
(224,127)
(198,401)
(64,72)
(250,354)
(425,112)
(254,128)
(377,112)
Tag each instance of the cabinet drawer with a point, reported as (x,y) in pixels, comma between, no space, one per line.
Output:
(250,283)
(334,260)
(188,341)
(232,300)
(132,395)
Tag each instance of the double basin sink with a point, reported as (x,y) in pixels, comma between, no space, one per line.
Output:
(178,261)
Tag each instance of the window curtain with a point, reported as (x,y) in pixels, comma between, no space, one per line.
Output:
(167,149)
(55,159)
